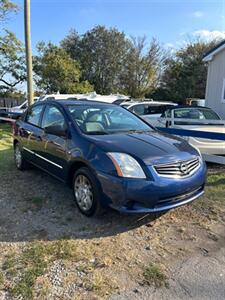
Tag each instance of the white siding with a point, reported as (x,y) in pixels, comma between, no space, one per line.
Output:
(216,75)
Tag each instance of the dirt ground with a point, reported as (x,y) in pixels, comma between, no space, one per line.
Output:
(50,251)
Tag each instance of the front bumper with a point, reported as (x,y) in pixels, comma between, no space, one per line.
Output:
(151,195)
(167,205)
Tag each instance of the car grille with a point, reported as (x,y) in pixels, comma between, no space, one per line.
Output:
(178,169)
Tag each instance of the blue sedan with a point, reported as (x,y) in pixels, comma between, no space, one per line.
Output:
(109,156)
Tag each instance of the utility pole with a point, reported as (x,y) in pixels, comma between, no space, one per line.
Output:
(28,51)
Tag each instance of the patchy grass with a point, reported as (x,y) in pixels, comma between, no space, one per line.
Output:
(36,259)
(6,149)
(1,280)
(34,262)
(99,283)
(153,275)
(9,265)
(212,203)
(35,203)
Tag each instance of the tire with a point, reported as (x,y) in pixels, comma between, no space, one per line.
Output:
(87,193)
(20,162)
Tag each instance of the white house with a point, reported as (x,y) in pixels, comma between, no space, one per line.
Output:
(215,88)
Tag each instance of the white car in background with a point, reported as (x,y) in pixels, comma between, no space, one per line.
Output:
(93,96)
(196,118)
(61,97)
(19,109)
(150,111)
(112,98)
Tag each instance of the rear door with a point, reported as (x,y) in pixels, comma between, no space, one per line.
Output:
(31,132)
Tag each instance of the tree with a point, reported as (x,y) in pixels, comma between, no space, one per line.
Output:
(142,68)
(101,53)
(12,62)
(6,7)
(185,73)
(56,71)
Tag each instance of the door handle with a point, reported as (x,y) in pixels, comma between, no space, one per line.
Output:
(38,138)
(25,131)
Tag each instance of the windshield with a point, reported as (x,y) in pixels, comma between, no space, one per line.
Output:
(105,119)
(196,113)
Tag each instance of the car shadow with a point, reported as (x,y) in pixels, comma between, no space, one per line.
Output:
(35,206)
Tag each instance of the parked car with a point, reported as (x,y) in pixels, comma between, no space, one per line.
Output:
(150,111)
(110,157)
(19,109)
(126,104)
(196,118)
(113,98)
(61,97)
(16,111)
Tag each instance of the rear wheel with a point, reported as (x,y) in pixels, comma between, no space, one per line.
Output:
(86,192)
(20,162)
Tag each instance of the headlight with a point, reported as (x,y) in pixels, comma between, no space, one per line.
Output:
(126,165)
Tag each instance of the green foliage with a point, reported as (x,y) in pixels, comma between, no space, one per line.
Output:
(101,53)
(113,63)
(12,62)
(57,71)
(142,67)
(6,7)
(185,73)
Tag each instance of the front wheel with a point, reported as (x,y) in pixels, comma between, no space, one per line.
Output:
(20,162)
(86,192)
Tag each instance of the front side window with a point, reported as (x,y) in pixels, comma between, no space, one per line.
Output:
(34,114)
(105,119)
(156,109)
(53,117)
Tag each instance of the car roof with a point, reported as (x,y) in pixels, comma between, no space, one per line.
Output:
(187,106)
(154,103)
(66,102)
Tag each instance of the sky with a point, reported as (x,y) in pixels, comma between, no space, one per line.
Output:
(170,21)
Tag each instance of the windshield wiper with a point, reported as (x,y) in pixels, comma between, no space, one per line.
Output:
(97,132)
(136,131)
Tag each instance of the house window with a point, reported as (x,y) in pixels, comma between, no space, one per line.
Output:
(223,91)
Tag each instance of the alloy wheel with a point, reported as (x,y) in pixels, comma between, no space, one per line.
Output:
(83,192)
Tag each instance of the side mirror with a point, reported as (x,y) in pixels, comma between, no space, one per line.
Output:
(55,130)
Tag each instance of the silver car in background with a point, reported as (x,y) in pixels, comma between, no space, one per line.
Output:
(150,111)
(196,118)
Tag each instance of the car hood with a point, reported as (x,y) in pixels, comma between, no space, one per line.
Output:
(150,147)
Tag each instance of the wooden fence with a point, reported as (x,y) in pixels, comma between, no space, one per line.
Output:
(10,102)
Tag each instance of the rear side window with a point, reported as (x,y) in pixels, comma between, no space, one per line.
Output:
(138,109)
(34,114)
